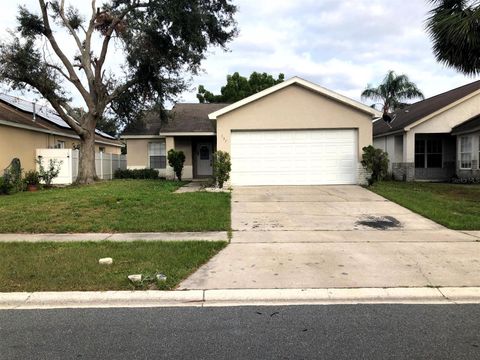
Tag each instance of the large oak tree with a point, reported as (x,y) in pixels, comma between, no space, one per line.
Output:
(156,43)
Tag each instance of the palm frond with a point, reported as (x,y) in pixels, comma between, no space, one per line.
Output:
(454,28)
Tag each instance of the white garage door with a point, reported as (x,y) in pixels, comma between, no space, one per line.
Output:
(294,157)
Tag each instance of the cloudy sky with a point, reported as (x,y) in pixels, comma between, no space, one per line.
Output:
(340,44)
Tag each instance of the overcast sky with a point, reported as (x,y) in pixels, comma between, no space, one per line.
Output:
(340,44)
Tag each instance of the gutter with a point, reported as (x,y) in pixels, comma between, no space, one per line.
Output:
(389,133)
(51,132)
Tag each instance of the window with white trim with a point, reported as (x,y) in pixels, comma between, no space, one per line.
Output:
(60,144)
(466,152)
(157,158)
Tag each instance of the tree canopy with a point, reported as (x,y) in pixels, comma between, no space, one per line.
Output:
(239,87)
(159,41)
(454,27)
(393,92)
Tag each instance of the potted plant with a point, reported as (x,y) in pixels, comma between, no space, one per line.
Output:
(32,180)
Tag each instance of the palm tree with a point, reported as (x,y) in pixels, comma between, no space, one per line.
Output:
(392,92)
(454,27)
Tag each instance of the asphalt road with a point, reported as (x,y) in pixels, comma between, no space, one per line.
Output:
(298,332)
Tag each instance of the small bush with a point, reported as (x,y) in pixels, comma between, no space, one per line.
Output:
(51,172)
(222,166)
(32,177)
(375,161)
(136,174)
(176,159)
(12,178)
(4,186)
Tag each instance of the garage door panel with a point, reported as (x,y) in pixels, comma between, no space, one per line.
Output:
(294,157)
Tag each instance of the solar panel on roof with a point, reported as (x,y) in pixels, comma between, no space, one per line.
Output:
(43,111)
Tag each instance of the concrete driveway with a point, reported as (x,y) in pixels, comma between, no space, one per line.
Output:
(335,236)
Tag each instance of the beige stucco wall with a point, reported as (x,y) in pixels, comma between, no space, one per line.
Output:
(137,153)
(184,143)
(294,107)
(19,143)
(22,143)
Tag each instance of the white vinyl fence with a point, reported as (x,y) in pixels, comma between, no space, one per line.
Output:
(105,164)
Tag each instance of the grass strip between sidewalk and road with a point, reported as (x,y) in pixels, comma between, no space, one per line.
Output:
(74,266)
(456,206)
(115,206)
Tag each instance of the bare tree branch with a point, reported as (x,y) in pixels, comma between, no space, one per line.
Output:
(109,33)
(65,111)
(68,65)
(85,55)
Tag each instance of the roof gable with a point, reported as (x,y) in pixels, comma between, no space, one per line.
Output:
(425,108)
(303,83)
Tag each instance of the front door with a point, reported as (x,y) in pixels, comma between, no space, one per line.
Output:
(204,159)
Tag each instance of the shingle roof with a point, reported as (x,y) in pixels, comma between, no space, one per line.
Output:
(44,112)
(191,118)
(148,125)
(421,109)
(183,118)
(469,125)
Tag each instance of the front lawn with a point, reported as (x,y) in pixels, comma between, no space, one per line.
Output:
(455,206)
(74,266)
(114,206)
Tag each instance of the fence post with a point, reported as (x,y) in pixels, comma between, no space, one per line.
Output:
(101,165)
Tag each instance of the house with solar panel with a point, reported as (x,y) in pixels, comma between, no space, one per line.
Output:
(26,127)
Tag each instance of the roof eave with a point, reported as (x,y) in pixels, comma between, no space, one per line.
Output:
(442,110)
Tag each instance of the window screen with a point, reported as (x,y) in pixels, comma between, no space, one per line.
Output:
(419,153)
(465,152)
(434,153)
(428,153)
(157,155)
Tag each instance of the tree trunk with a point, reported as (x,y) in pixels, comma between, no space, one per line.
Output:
(86,165)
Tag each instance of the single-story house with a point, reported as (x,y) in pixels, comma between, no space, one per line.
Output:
(294,133)
(436,138)
(26,126)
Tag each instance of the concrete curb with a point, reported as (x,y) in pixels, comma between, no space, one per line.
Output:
(158,236)
(234,297)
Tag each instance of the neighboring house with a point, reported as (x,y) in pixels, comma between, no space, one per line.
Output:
(26,126)
(294,133)
(436,138)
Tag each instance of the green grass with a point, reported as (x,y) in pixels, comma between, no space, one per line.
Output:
(455,206)
(74,266)
(115,206)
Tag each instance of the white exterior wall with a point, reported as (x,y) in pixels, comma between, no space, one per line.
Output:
(392,147)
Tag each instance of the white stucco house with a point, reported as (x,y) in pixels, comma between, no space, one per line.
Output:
(436,138)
